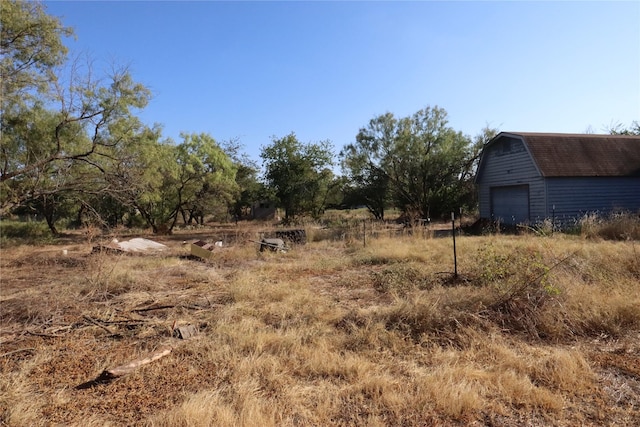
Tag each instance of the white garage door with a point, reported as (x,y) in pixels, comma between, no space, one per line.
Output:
(510,204)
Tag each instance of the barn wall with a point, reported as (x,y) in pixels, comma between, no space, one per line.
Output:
(507,162)
(573,197)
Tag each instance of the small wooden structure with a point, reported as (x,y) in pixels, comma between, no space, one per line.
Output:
(202,249)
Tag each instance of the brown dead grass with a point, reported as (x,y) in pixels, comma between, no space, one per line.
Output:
(534,331)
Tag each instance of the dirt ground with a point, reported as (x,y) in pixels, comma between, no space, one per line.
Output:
(64,337)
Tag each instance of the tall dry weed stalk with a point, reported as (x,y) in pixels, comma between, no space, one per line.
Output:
(616,226)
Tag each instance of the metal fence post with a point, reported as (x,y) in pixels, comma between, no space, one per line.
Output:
(453,233)
(364,233)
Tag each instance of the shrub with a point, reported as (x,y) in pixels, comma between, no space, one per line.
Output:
(400,278)
(30,232)
(519,280)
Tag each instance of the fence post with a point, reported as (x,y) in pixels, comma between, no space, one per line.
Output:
(364,233)
(453,233)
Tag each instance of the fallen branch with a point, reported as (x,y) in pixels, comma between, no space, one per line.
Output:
(130,322)
(195,307)
(95,322)
(157,307)
(61,328)
(38,334)
(131,366)
(17,351)
(110,374)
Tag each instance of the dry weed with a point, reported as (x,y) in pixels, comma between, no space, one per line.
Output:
(331,333)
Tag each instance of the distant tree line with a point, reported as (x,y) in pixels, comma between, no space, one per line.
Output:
(73,148)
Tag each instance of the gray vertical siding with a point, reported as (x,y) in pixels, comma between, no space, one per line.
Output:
(506,161)
(573,197)
(511,165)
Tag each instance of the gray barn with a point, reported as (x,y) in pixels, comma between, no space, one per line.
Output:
(529,177)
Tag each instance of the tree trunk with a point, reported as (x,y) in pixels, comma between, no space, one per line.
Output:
(79,216)
(46,207)
(51,223)
(162,229)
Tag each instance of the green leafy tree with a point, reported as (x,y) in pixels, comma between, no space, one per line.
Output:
(31,47)
(250,189)
(50,207)
(320,192)
(207,176)
(421,162)
(104,185)
(368,183)
(162,180)
(336,192)
(101,209)
(53,121)
(44,189)
(298,173)
(151,185)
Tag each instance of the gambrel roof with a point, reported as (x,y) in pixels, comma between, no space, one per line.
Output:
(565,155)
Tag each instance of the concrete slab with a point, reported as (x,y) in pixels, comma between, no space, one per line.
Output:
(141,245)
(137,244)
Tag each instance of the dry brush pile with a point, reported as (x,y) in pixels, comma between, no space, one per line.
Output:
(533,331)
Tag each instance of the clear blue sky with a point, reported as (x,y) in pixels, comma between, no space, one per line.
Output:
(253,70)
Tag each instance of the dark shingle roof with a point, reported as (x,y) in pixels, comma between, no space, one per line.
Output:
(561,154)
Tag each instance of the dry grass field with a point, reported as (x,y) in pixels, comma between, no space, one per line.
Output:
(534,331)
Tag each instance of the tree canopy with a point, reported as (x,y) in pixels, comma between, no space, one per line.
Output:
(165,180)
(417,163)
(298,173)
(31,46)
(53,123)
(70,134)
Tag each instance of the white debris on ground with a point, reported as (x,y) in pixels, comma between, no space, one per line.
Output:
(141,245)
(137,244)
(275,245)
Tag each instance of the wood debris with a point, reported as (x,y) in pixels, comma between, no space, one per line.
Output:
(202,249)
(110,374)
(135,364)
(185,332)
